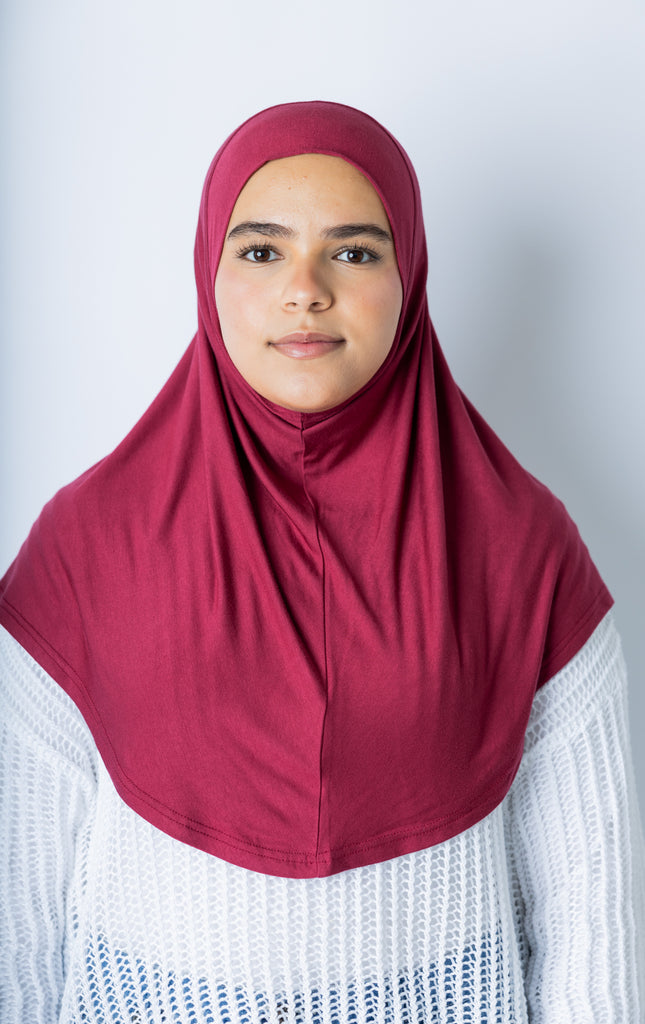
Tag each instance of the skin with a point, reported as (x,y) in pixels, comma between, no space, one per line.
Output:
(291,266)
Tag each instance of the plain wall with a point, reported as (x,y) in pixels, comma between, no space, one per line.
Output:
(525,123)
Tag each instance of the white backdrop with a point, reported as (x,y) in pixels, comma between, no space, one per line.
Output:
(525,123)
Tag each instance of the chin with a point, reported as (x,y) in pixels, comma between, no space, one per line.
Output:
(307,406)
(308,399)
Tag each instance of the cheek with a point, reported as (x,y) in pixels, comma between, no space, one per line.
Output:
(383,307)
(237,307)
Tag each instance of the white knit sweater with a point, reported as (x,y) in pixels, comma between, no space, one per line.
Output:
(534,914)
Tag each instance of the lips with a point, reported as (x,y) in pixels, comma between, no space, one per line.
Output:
(306,344)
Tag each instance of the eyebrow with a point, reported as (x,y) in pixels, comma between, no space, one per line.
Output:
(259,227)
(339,232)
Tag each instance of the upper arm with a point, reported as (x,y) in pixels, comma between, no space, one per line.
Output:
(576,844)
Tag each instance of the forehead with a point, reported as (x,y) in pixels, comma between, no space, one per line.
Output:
(312,185)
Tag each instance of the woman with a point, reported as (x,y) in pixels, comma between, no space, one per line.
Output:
(316,704)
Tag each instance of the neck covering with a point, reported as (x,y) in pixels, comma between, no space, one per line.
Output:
(307,642)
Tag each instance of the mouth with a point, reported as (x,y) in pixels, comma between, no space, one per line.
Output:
(306,344)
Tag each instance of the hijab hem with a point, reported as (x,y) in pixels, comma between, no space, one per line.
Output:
(256,857)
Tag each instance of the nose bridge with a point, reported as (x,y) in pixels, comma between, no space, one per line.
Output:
(308,282)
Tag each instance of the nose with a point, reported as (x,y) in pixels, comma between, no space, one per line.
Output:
(307,287)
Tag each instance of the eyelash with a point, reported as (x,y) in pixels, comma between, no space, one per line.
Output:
(255,247)
(244,251)
(374,256)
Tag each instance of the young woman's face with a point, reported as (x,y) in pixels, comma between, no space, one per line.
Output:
(308,289)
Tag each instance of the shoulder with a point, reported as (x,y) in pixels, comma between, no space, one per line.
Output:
(39,715)
(592,680)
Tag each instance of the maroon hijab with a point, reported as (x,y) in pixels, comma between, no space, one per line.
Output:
(307,642)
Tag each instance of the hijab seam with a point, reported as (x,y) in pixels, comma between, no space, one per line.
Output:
(323,584)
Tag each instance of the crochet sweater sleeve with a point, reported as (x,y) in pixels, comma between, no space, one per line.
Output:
(47,781)
(575,846)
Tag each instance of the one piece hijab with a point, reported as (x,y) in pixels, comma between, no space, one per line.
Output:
(306,642)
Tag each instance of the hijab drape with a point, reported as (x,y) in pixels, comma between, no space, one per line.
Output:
(307,642)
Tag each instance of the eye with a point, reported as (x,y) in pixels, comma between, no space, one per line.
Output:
(357,254)
(257,254)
